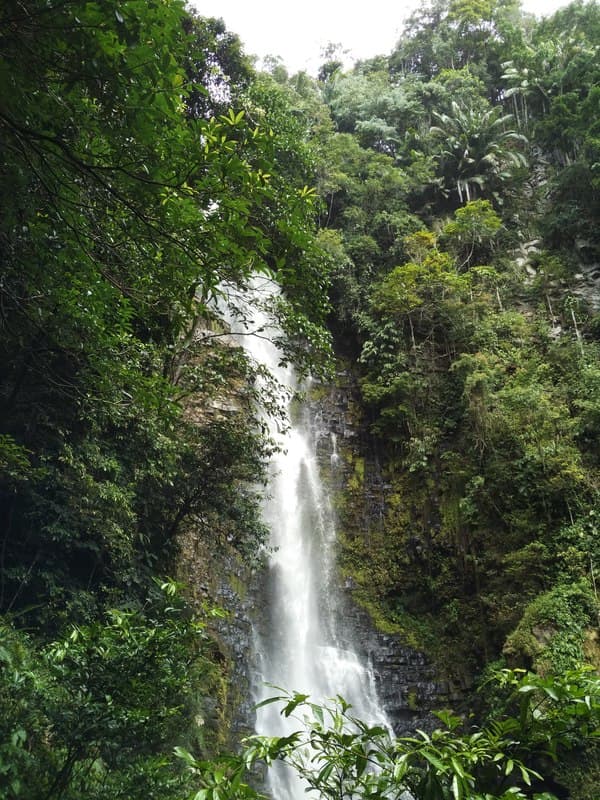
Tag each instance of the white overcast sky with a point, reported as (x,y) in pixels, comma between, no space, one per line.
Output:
(297,31)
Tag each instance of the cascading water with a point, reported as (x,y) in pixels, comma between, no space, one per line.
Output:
(300,648)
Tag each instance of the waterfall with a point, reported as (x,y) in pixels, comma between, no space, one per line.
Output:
(301,649)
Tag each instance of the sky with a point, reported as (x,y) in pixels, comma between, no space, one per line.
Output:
(297,31)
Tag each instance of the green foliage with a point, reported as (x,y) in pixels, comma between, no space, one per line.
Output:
(96,713)
(477,151)
(417,317)
(472,232)
(443,35)
(337,755)
(23,721)
(132,199)
(551,634)
(580,772)
(473,331)
(556,712)
(147,174)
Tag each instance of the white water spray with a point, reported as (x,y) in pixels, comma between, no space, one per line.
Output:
(301,650)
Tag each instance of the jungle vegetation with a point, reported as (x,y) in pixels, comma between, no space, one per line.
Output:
(431,216)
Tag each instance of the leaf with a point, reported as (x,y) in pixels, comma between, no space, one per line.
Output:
(361,763)
(551,692)
(297,700)
(400,768)
(186,756)
(376,731)
(18,737)
(435,761)
(457,767)
(324,774)
(456,789)
(269,701)
(450,720)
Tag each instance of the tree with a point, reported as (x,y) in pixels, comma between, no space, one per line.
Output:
(453,34)
(416,326)
(472,232)
(477,154)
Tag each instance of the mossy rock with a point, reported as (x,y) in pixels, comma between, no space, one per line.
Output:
(356,480)
(555,631)
(579,773)
(591,648)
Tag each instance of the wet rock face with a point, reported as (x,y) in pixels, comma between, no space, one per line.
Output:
(407,685)
(406,682)
(235,633)
(588,285)
(218,579)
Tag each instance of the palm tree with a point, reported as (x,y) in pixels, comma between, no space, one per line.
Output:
(478,151)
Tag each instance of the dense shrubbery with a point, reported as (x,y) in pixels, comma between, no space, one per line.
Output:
(98,712)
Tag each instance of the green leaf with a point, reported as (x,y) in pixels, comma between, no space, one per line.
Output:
(457,767)
(185,755)
(268,701)
(296,701)
(435,761)
(525,775)
(456,788)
